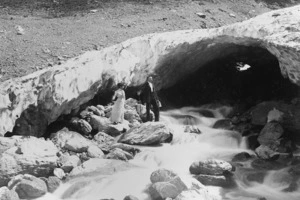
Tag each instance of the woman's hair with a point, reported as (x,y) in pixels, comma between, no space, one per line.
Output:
(119,85)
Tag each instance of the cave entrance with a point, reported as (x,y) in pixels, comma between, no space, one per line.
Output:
(247,74)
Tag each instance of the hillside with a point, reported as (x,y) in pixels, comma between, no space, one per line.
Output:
(35,34)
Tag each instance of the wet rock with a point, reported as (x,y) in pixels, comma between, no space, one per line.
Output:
(70,140)
(192,129)
(163,190)
(197,195)
(130,197)
(206,113)
(104,141)
(119,154)
(218,180)
(95,152)
(67,163)
(6,194)
(52,183)
(223,124)
(165,183)
(265,152)
(150,133)
(241,157)
(59,173)
(210,167)
(262,164)
(101,166)
(275,115)
(31,156)
(125,147)
(81,126)
(162,175)
(252,141)
(271,132)
(28,186)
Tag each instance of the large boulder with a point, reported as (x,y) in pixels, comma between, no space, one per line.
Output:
(52,183)
(6,194)
(211,167)
(125,147)
(119,154)
(70,140)
(99,123)
(95,152)
(81,126)
(149,133)
(165,184)
(28,186)
(197,195)
(32,156)
(40,98)
(117,129)
(265,152)
(271,132)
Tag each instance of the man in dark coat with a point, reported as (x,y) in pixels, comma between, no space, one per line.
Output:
(149,97)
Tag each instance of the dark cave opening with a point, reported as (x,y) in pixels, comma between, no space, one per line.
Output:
(222,81)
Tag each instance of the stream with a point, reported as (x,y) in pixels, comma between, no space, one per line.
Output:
(177,156)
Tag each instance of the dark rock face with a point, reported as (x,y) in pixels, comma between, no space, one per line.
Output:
(241,157)
(223,124)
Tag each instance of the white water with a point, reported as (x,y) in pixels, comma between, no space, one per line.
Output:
(185,149)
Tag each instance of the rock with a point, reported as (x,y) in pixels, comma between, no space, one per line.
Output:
(125,147)
(67,163)
(223,124)
(232,15)
(275,116)
(85,114)
(31,156)
(28,186)
(20,30)
(96,111)
(81,126)
(132,116)
(117,129)
(163,190)
(252,141)
(130,197)
(71,141)
(119,154)
(197,195)
(99,123)
(165,183)
(6,143)
(202,15)
(271,132)
(104,141)
(95,152)
(59,173)
(149,133)
(162,175)
(100,107)
(211,167)
(71,84)
(241,157)
(52,183)
(265,152)
(6,194)
(101,166)
(192,129)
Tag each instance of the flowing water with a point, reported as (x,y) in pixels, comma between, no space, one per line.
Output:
(177,156)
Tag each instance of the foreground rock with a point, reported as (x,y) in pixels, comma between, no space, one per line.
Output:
(150,133)
(104,141)
(165,184)
(31,156)
(28,186)
(6,194)
(211,167)
(58,90)
(52,183)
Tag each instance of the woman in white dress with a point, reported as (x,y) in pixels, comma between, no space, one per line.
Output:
(117,113)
